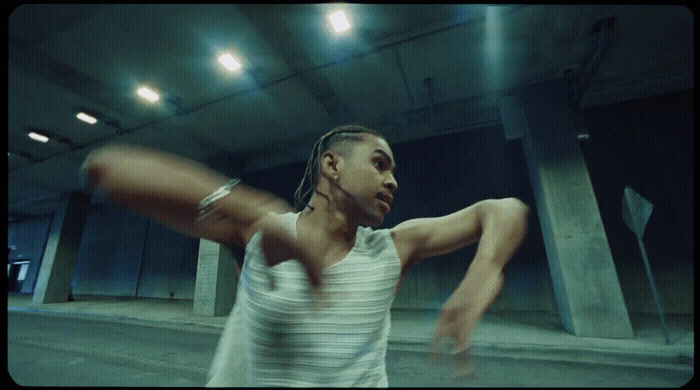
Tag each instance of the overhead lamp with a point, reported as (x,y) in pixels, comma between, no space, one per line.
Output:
(229,62)
(86,118)
(339,21)
(38,137)
(148,94)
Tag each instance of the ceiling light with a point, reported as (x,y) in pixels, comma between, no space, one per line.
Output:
(339,21)
(86,118)
(38,137)
(229,62)
(148,94)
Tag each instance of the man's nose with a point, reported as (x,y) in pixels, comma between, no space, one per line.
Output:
(391,184)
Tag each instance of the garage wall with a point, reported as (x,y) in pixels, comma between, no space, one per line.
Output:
(646,144)
(169,264)
(111,250)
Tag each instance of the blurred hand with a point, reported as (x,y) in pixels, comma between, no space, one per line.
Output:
(455,327)
(279,244)
(453,337)
(460,317)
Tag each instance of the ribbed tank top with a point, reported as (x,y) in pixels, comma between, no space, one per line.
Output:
(275,337)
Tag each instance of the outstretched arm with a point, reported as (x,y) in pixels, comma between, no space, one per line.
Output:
(499,226)
(168,188)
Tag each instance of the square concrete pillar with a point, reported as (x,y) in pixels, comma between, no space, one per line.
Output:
(53,284)
(215,285)
(586,287)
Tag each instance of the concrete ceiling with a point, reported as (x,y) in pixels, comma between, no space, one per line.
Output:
(412,71)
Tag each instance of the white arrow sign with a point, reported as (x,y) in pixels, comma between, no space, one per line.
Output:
(635,211)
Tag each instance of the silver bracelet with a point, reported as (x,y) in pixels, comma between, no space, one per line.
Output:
(207,206)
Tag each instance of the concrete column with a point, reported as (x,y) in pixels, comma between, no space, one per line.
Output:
(586,286)
(58,265)
(215,285)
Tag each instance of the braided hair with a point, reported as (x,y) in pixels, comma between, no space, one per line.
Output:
(340,135)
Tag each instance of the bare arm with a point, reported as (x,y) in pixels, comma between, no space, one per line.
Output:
(168,188)
(421,238)
(499,226)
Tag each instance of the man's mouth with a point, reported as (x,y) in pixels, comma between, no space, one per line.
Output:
(386,198)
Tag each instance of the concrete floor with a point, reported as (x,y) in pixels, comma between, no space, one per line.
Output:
(522,337)
(49,349)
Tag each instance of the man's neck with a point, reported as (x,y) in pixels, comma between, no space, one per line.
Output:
(335,225)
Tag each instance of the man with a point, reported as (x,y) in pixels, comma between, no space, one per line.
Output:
(278,334)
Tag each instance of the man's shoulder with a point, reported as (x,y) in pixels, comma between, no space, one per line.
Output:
(370,237)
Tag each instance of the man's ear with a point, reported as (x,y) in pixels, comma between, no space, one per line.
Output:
(329,164)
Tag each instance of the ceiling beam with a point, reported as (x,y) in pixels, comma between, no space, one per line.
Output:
(273,26)
(37,63)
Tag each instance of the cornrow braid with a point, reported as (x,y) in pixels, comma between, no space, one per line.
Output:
(344,133)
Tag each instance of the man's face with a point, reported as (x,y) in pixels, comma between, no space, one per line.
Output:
(368,174)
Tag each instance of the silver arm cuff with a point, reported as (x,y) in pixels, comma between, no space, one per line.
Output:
(207,206)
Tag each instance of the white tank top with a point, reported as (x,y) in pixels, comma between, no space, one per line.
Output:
(274,337)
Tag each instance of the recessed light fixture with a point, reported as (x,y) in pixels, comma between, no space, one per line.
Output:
(38,137)
(148,94)
(339,21)
(229,62)
(86,118)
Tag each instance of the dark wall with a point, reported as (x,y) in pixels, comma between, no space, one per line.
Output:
(647,144)
(169,266)
(110,252)
(124,254)
(29,239)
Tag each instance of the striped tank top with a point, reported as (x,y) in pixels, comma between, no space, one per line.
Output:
(275,336)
